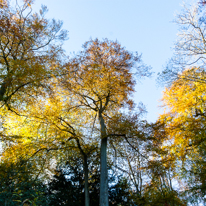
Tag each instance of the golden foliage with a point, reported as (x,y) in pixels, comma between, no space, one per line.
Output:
(28,56)
(185,120)
(103,75)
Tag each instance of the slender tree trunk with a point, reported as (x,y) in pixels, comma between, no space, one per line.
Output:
(103,165)
(86,184)
(86,172)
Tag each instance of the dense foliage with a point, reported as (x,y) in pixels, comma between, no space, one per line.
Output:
(70,131)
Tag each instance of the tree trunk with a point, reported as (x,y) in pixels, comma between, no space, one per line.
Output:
(86,172)
(103,165)
(86,184)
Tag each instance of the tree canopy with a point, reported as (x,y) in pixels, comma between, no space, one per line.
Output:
(71,133)
(29,52)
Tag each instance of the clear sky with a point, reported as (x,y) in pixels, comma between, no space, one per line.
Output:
(145,26)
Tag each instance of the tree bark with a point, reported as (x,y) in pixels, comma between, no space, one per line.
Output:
(103,165)
(86,172)
(86,184)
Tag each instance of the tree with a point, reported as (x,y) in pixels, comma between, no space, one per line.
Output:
(185,121)
(190,47)
(162,173)
(71,112)
(140,156)
(185,127)
(55,129)
(18,184)
(130,144)
(102,82)
(30,49)
(66,187)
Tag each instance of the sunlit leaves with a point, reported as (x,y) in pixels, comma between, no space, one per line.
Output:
(104,74)
(185,125)
(29,53)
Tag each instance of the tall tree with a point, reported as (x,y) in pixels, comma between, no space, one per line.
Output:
(30,48)
(56,127)
(185,127)
(102,84)
(190,47)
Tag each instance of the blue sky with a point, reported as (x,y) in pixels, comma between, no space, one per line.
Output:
(143,26)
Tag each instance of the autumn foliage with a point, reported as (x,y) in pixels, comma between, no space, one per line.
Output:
(71,132)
